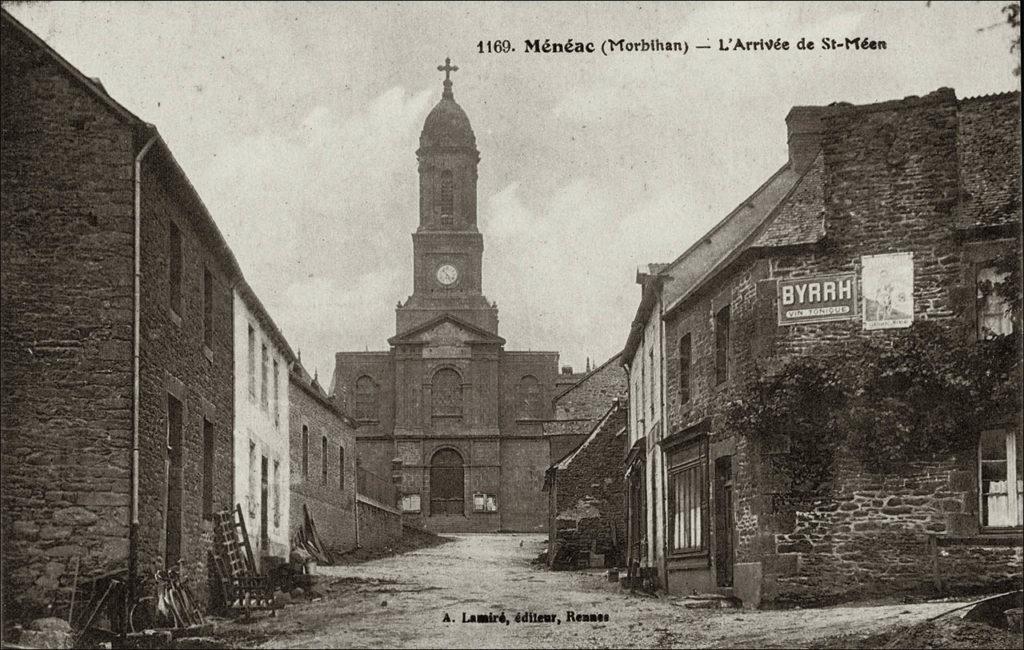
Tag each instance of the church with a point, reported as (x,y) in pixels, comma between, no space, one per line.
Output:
(463,414)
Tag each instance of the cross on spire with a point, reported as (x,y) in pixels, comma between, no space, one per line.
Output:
(447,69)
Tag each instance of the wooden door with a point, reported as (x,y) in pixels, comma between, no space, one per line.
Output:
(447,483)
(724,544)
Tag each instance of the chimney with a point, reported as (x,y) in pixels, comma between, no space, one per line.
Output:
(804,126)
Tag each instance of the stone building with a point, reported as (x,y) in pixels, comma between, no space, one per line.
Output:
(889,232)
(116,335)
(579,406)
(585,505)
(322,464)
(462,413)
(262,357)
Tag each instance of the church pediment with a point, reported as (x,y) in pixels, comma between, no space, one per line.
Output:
(446,331)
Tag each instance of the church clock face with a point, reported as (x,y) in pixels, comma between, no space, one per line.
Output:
(447,275)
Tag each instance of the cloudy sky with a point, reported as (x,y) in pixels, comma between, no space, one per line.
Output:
(298,125)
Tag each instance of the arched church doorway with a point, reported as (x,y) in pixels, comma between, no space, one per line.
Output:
(447,480)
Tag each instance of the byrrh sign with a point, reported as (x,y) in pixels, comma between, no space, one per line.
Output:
(817,299)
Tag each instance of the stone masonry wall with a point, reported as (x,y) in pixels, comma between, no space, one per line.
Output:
(892,184)
(66,332)
(592,484)
(592,396)
(379,527)
(174,363)
(331,504)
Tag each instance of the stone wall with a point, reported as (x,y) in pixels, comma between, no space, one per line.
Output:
(379,526)
(588,488)
(593,394)
(175,363)
(67,303)
(331,504)
(887,180)
(66,288)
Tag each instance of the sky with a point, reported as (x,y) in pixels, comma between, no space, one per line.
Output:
(298,124)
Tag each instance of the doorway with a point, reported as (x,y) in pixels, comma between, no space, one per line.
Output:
(264,491)
(724,545)
(173,486)
(447,483)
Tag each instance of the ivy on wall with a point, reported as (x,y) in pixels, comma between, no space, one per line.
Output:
(915,394)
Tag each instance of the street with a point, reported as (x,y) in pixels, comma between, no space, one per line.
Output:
(402,601)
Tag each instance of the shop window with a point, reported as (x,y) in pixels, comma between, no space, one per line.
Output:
(687,500)
(1001,478)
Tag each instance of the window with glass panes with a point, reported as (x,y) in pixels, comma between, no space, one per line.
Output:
(1001,478)
(687,498)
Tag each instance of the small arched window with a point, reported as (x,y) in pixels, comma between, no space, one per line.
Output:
(367,399)
(528,398)
(447,393)
(446,198)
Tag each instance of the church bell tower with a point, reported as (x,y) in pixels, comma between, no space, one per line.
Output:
(447,246)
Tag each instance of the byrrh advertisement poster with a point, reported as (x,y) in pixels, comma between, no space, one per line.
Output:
(510,324)
(887,283)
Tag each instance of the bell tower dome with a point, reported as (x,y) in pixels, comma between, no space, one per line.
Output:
(447,246)
(448,160)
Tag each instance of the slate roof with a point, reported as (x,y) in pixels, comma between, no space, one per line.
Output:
(800,219)
(614,419)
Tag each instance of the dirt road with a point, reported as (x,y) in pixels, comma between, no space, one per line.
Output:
(403,601)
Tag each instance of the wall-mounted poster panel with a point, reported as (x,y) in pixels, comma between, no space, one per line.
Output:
(887,283)
(817,299)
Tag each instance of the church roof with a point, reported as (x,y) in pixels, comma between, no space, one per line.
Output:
(410,336)
(447,124)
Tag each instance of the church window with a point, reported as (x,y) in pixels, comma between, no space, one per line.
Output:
(1001,475)
(528,398)
(367,398)
(995,317)
(447,393)
(447,481)
(446,198)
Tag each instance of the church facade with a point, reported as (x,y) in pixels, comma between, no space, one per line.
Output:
(462,414)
